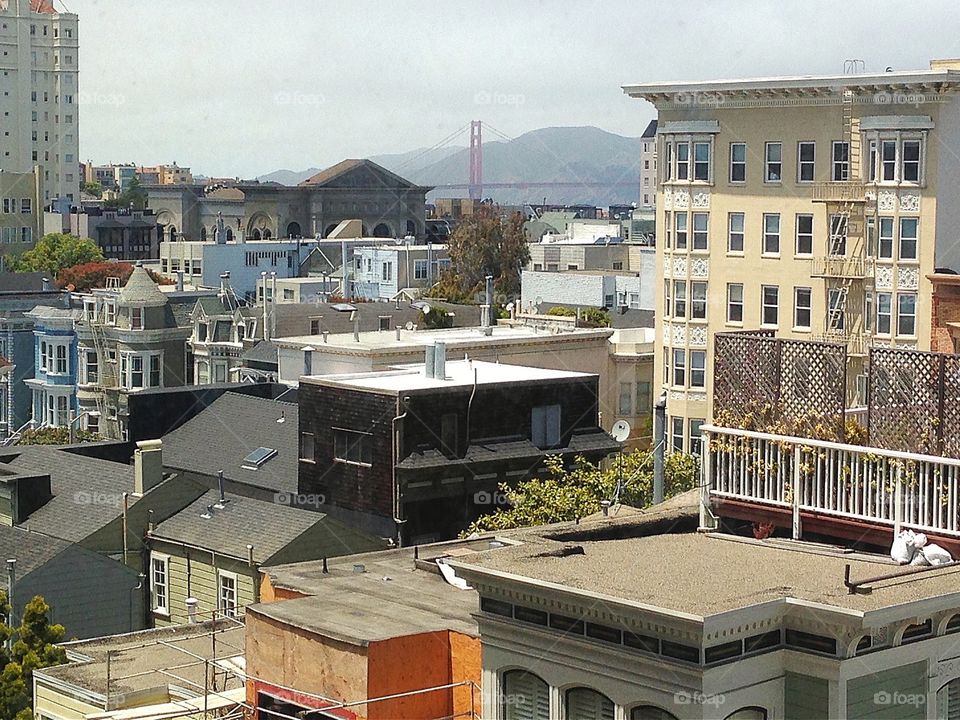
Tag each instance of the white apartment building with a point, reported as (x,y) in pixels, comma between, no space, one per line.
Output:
(39,100)
(648,166)
(803,206)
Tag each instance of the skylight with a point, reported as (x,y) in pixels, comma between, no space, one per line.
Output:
(258,457)
(343,307)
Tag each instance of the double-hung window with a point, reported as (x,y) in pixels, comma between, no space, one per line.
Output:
(738,162)
(61,359)
(160,583)
(770,305)
(136,371)
(545,426)
(888,160)
(771,234)
(806,154)
(885,249)
(701,161)
(735,233)
(802,308)
(227,593)
(735,302)
(840,165)
(701,224)
(838,235)
(680,224)
(683,161)
(908,238)
(680,298)
(836,309)
(679,367)
(906,314)
(136,318)
(910,161)
(154,371)
(698,368)
(698,300)
(804,244)
(773,166)
(884,312)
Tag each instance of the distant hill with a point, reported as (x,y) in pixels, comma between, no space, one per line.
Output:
(609,164)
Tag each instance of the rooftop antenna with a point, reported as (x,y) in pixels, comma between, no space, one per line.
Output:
(620,432)
(223,498)
(852,66)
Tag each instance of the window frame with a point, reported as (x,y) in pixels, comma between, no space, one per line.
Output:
(698,305)
(698,371)
(797,235)
(916,239)
(802,164)
(890,238)
(768,164)
(165,560)
(767,235)
(742,164)
(678,375)
(700,240)
(363,443)
(843,164)
(901,296)
(731,303)
(882,315)
(731,233)
(764,306)
(798,308)
(225,610)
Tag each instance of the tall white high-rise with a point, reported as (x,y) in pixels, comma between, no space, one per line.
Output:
(39,96)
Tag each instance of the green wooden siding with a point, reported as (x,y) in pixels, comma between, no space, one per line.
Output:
(896,694)
(805,697)
(198,579)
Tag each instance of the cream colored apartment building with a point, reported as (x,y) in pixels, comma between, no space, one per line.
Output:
(39,105)
(805,206)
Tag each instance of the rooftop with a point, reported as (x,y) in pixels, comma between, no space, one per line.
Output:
(227,431)
(141,289)
(459,373)
(455,338)
(139,661)
(31,550)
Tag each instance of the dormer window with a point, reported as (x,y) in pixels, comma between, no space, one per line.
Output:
(136,318)
(241,330)
(201,332)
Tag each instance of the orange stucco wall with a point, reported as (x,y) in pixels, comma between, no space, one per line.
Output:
(269,593)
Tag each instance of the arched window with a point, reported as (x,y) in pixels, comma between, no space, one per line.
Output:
(381,231)
(267,234)
(411,227)
(948,701)
(172,233)
(586,704)
(293,230)
(229,235)
(650,712)
(748,713)
(203,234)
(256,234)
(524,696)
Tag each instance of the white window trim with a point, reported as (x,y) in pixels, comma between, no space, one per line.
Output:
(160,610)
(764,306)
(766,162)
(812,162)
(235,610)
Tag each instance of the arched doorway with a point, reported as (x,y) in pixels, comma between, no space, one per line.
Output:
(382,231)
(293,230)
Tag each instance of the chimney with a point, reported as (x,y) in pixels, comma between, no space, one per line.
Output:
(46,286)
(429,353)
(440,361)
(223,497)
(489,302)
(179,280)
(147,465)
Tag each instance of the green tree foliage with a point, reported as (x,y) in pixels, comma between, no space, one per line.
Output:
(436,319)
(575,493)
(488,244)
(34,647)
(54,252)
(594,317)
(87,276)
(55,436)
(134,196)
(558,311)
(93,188)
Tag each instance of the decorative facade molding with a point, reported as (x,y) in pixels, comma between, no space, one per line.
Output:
(666,195)
(698,335)
(680,266)
(701,200)
(886,201)
(699,267)
(883,276)
(908,278)
(910,202)
(681,199)
(679,334)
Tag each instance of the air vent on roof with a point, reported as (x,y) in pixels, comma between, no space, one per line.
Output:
(257,458)
(343,307)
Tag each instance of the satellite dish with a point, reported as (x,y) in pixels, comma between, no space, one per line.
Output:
(426,309)
(538,300)
(409,325)
(621,430)
(398,241)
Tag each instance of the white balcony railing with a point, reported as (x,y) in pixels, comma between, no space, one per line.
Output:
(885,487)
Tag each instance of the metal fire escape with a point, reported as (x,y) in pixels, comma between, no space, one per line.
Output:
(106,368)
(847,268)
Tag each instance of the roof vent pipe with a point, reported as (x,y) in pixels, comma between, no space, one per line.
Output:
(430,352)
(440,361)
(223,498)
(46,286)
(179,280)
(398,332)
(489,306)
(191,603)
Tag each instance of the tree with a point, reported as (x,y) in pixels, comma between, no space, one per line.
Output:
(55,436)
(90,275)
(487,244)
(56,251)
(577,492)
(134,196)
(35,647)
(93,188)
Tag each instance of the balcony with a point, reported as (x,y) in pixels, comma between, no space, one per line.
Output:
(857,343)
(838,192)
(793,481)
(841,267)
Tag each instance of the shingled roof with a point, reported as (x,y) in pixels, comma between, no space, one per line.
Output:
(141,289)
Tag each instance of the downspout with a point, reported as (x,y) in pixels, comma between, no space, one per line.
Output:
(470,408)
(397,442)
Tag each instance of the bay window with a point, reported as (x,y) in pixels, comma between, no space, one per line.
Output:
(885,249)
(906,314)
(140,370)
(679,367)
(908,238)
(701,222)
(698,300)
(884,313)
(680,225)
(683,161)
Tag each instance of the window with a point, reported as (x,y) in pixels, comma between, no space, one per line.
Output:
(679,367)
(701,222)
(773,168)
(387,274)
(738,162)
(545,426)
(351,446)
(159,583)
(91,367)
(587,704)
(681,227)
(136,371)
(26,205)
(154,371)
(885,249)
(701,161)
(841,161)
(136,318)
(420,269)
(804,245)
(307,447)
(888,160)
(676,434)
(735,232)
(735,302)
(884,312)
(698,368)
(838,235)
(910,161)
(625,400)
(771,234)
(770,303)
(801,308)
(908,238)
(680,298)
(668,230)
(61,359)
(525,696)
(683,161)
(906,314)
(806,152)
(696,437)
(43,355)
(668,157)
(836,309)
(643,398)
(666,299)
(227,593)
(698,300)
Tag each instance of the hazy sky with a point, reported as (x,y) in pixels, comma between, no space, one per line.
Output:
(237,87)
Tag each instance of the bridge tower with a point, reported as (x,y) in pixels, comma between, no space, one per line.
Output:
(476,160)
